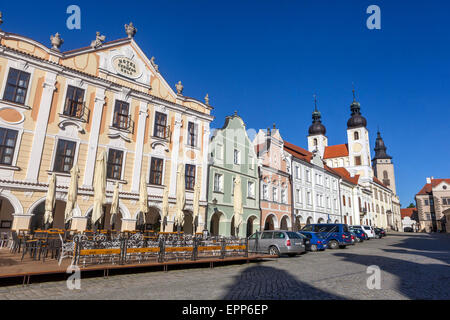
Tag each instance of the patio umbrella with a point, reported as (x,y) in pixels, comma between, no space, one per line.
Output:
(115,203)
(71,193)
(99,188)
(237,203)
(164,207)
(196,204)
(181,196)
(143,197)
(50,200)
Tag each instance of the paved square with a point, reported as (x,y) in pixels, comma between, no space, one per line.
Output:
(413,266)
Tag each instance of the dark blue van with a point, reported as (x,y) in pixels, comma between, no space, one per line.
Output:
(336,234)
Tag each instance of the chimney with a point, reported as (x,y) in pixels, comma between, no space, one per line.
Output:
(429,179)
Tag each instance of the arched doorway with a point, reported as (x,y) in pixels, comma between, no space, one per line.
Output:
(298,223)
(336,221)
(37,221)
(215,225)
(321,220)
(153,220)
(6,214)
(105,222)
(269,223)
(309,220)
(188,227)
(284,223)
(250,226)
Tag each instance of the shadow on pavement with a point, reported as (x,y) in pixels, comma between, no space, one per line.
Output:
(415,280)
(268,283)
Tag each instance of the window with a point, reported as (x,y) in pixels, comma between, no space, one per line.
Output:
(114,165)
(265,192)
(356,135)
(357,161)
(298,195)
(275,194)
(251,189)
(297,172)
(65,153)
(308,176)
(156,171)
(237,157)
(343,200)
(160,128)
(121,115)
(74,102)
(328,202)
(267,235)
(309,197)
(279,235)
(426,202)
(16,86)
(431,202)
(218,182)
(327,182)
(283,196)
(8,140)
(349,202)
(190,176)
(192,134)
(315,142)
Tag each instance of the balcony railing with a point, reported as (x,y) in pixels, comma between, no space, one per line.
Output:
(163,132)
(77,110)
(123,122)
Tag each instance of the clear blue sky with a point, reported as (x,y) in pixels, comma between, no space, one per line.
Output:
(266,59)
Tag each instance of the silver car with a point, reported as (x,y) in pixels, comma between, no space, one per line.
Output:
(276,242)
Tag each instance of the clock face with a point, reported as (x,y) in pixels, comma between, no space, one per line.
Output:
(357,147)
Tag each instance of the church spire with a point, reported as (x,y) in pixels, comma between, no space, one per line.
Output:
(380,148)
(316,127)
(356,120)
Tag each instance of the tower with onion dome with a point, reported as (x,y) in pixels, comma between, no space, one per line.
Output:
(382,164)
(317,141)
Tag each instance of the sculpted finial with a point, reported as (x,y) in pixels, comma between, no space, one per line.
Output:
(56,41)
(179,87)
(152,61)
(99,39)
(207,99)
(130,30)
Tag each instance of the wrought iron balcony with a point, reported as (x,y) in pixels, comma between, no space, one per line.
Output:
(76,110)
(123,122)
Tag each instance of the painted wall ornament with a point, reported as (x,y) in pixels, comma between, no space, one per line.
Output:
(56,41)
(99,39)
(130,30)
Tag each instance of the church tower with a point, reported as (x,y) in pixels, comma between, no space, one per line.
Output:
(382,164)
(358,143)
(316,133)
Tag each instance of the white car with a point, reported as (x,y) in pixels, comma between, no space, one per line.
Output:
(368,230)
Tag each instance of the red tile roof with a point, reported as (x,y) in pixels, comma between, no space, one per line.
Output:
(376,180)
(408,212)
(435,182)
(339,150)
(297,151)
(427,188)
(346,175)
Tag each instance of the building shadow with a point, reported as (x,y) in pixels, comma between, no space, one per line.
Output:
(260,282)
(413,280)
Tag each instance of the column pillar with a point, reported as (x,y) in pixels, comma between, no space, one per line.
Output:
(139,147)
(93,137)
(175,154)
(41,127)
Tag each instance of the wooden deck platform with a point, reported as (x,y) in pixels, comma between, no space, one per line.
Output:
(13,270)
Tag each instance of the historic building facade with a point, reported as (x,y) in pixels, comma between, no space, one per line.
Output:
(433,205)
(61,108)
(375,202)
(275,185)
(232,155)
(315,188)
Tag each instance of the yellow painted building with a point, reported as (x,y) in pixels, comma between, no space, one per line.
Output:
(61,108)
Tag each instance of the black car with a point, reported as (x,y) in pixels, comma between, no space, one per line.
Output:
(379,232)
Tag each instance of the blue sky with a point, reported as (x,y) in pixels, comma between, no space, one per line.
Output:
(266,59)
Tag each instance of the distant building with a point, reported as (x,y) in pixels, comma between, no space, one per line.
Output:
(433,205)
(410,219)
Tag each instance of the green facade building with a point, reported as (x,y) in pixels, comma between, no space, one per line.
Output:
(231,154)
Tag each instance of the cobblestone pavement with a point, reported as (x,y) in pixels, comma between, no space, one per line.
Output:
(413,266)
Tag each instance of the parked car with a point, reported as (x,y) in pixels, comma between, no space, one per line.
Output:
(316,241)
(408,229)
(379,232)
(353,236)
(336,234)
(360,235)
(276,242)
(367,229)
